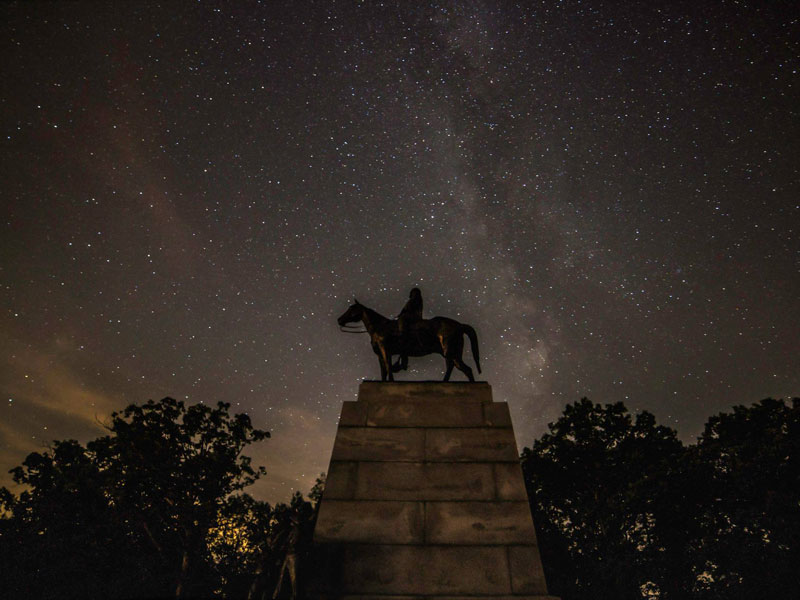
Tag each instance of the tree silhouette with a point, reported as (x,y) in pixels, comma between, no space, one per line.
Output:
(62,536)
(585,480)
(173,467)
(623,510)
(130,514)
(744,479)
(295,519)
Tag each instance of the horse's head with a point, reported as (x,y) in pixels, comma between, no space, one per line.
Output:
(351,315)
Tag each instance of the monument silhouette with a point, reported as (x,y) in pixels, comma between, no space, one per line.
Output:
(425,499)
(418,337)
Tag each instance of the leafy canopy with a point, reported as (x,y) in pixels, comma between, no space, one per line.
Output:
(131,510)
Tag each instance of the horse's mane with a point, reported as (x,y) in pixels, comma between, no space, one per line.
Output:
(376,314)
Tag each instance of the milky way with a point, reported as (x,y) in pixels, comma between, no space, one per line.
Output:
(192,193)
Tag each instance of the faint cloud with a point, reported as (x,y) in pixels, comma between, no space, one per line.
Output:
(44,400)
(295,455)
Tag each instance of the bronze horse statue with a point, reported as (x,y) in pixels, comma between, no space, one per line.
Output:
(439,335)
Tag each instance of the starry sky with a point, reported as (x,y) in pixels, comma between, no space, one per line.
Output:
(193,192)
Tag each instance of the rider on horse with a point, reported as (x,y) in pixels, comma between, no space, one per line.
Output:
(410,316)
(438,335)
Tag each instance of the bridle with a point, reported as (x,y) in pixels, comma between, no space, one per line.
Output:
(347,328)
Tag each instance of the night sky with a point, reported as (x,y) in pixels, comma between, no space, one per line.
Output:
(193,192)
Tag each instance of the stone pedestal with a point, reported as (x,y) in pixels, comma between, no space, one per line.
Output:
(425,500)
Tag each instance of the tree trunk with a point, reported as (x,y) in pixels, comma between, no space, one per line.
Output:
(179,589)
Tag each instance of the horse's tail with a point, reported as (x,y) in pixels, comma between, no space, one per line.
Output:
(473,340)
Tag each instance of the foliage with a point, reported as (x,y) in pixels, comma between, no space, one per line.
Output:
(237,541)
(587,481)
(130,513)
(61,537)
(173,467)
(623,510)
(748,495)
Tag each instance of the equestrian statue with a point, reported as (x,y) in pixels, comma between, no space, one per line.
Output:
(411,335)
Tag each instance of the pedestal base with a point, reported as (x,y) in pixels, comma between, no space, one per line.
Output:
(425,499)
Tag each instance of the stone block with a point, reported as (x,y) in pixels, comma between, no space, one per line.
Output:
(447,413)
(515,597)
(370,522)
(373,597)
(367,572)
(468,570)
(379,444)
(496,414)
(479,523)
(340,483)
(428,571)
(527,576)
(471,444)
(424,481)
(425,500)
(509,482)
(389,570)
(354,414)
(424,391)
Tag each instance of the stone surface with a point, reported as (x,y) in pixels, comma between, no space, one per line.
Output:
(479,523)
(527,576)
(509,482)
(370,522)
(426,570)
(424,481)
(465,570)
(445,413)
(382,597)
(340,484)
(514,597)
(425,500)
(426,392)
(353,414)
(471,444)
(382,569)
(496,415)
(379,444)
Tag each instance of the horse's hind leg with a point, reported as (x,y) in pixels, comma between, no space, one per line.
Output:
(464,368)
(449,369)
(401,364)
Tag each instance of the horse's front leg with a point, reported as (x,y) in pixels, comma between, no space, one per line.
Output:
(378,350)
(386,363)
